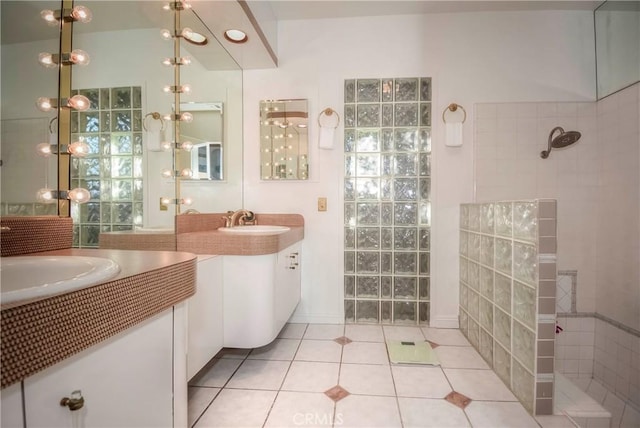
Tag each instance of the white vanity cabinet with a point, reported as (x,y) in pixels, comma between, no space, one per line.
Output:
(126,381)
(260,294)
(205,317)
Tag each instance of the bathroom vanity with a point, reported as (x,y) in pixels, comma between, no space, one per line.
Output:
(121,343)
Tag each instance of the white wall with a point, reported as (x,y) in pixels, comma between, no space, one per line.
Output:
(472,57)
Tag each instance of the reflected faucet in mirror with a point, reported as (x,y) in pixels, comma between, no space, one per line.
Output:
(239,217)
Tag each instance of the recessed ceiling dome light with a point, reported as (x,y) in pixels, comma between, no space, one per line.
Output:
(236,36)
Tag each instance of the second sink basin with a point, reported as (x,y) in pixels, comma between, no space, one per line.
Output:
(28,277)
(258,229)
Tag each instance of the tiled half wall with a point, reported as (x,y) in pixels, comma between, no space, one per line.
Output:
(507,293)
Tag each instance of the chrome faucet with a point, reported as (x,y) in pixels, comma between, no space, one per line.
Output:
(241,217)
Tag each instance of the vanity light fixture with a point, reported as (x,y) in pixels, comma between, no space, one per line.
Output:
(181,89)
(185,145)
(184,201)
(184,173)
(76,102)
(177,5)
(78,195)
(78,13)
(182,117)
(236,36)
(185,60)
(77,56)
(78,149)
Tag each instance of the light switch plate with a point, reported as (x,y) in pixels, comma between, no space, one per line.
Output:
(322,204)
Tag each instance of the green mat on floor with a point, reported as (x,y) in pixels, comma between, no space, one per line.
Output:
(407,352)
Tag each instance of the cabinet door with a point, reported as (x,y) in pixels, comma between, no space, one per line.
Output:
(126,381)
(287,283)
(205,327)
(11,407)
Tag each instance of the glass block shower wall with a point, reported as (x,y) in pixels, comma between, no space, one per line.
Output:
(507,293)
(387,146)
(112,172)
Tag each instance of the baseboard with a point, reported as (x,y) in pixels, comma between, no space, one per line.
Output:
(444,322)
(316,319)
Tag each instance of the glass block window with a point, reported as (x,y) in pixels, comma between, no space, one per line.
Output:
(112,172)
(387,194)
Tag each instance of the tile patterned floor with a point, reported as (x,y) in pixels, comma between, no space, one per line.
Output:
(340,376)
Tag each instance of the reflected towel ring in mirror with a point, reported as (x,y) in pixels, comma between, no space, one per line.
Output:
(453,107)
(155,116)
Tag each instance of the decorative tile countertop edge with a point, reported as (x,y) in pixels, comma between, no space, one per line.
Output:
(39,333)
(215,242)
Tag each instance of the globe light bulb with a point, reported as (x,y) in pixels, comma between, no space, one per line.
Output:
(186,173)
(186,146)
(46,60)
(166,34)
(79,149)
(166,173)
(186,201)
(79,195)
(82,14)
(79,102)
(44,149)
(44,104)
(45,196)
(186,117)
(49,16)
(79,57)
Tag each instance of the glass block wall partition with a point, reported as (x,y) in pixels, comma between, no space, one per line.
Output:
(112,172)
(507,293)
(387,146)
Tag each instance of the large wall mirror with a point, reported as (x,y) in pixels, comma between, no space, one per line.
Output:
(124,81)
(284,143)
(617,26)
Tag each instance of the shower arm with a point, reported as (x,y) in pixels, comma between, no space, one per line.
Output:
(545,153)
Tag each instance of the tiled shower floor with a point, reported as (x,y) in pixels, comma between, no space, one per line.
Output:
(308,378)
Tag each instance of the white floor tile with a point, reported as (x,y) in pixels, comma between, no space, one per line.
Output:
(319,350)
(324,331)
(445,336)
(292,331)
(296,409)
(479,384)
(368,412)
(365,353)
(217,373)
(199,399)
(460,357)
(429,413)
(409,334)
(260,374)
(364,333)
(486,414)
(630,418)
(424,382)
(367,379)
(238,408)
(311,376)
(279,349)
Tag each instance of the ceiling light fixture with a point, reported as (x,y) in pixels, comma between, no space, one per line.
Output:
(236,36)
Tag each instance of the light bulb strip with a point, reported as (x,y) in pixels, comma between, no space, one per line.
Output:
(177,61)
(170,201)
(78,195)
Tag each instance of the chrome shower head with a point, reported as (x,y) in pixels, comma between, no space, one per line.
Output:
(563,140)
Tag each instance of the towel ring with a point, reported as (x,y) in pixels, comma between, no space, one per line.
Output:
(328,112)
(155,116)
(453,107)
(51,131)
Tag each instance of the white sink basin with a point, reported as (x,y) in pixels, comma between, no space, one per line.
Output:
(28,277)
(258,229)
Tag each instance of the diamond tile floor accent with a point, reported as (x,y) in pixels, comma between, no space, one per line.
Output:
(344,340)
(336,393)
(340,376)
(458,399)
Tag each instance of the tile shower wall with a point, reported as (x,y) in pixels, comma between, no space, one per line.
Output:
(387,146)
(507,293)
(112,172)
